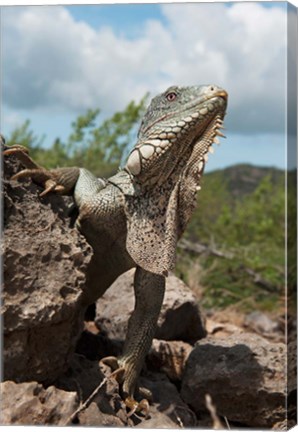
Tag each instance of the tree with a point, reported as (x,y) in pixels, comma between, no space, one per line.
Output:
(91,144)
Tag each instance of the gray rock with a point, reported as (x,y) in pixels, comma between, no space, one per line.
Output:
(261,323)
(44,278)
(93,416)
(167,410)
(180,317)
(284,425)
(107,407)
(30,404)
(245,376)
(84,376)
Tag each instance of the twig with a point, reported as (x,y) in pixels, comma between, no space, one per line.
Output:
(227,422)
(258,280)
(188,410)
(199,249)
(84,405)
(87,401)
(211,408)
(179,421)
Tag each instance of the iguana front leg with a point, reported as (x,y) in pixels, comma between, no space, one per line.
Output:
(149,293)
(59,180)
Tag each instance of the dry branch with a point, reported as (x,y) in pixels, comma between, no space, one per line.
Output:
(200,249)
(212,410)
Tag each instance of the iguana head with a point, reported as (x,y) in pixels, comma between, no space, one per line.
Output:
(177,121)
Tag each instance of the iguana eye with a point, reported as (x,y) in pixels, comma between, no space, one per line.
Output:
(171,96)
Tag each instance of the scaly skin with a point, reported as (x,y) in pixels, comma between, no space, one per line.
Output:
(135,218)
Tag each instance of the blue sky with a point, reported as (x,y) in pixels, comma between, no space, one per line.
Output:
(124,19)
(57,61)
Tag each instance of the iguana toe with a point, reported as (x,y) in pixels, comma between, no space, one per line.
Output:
(22,153)
(15,149)
(60,180)
(137,407)
(145,393)
(118,373)
(42,177)
(110,361)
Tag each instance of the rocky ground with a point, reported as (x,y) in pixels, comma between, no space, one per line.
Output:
(217,369)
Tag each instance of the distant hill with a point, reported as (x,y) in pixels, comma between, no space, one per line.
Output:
(243,179)
(224,191)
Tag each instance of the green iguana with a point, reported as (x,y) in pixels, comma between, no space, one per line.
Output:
(135,218)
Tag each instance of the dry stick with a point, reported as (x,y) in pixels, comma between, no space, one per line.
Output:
(227,422)
(179,421)
(211,408)
(86,403)
(201,249)
(89,399)
(188,410)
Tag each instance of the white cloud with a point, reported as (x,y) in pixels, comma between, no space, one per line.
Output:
(49,59)
(11,119)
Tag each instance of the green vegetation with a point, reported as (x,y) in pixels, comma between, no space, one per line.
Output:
(97,147)
(240,213)
(248,229)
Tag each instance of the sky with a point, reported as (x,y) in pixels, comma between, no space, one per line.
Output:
(58,61)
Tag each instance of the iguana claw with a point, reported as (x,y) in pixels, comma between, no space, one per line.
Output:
(33,170)
(137,407)
(118,373)
(110,361)
(23,155)
(54,180)
(14,148)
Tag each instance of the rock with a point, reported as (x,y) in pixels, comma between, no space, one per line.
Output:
(245,376)
(292,366)
(260,323)
(285,425)
(33,405)
(84,376)
(96,346)
(167,410)
(107,407)
(169,357)
(93,416)
(180,317)
(221,330)
(44,273)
